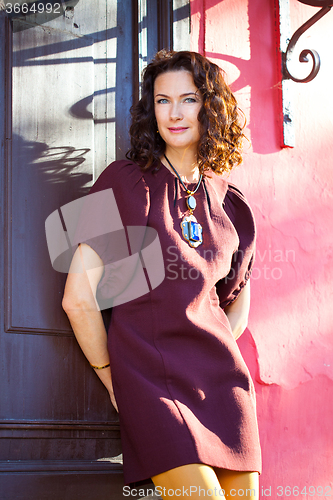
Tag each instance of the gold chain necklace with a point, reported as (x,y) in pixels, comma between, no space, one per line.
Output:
(191,229)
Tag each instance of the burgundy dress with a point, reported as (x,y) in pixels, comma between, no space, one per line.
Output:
(182,387)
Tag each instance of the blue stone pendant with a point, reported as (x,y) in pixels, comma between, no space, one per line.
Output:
(191,202)
(192,230)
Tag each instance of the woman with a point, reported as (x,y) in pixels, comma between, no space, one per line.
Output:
(185,397)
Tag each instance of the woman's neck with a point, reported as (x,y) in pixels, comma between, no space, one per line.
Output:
(184,162)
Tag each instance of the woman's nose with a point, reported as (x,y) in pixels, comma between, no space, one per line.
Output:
(175,112)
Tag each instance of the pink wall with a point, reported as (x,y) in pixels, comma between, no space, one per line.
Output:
(289,343)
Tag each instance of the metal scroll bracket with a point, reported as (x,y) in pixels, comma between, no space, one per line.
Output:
(287,47)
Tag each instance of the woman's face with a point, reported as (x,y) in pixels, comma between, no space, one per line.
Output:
(177,104)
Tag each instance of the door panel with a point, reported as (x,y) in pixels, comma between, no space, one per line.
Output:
(53,406)
(52,158)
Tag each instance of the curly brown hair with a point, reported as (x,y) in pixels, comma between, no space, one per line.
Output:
(222,135)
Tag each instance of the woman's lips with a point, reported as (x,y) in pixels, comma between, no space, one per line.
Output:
(177,130)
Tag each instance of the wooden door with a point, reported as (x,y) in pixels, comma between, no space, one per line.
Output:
(67,80)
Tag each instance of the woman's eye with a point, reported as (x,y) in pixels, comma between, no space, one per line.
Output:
(190,99)
(162,101)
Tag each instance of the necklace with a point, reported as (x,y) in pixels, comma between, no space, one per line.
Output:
(191,229)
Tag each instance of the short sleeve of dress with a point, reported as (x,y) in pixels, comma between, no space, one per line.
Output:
(241,216)
(113,222)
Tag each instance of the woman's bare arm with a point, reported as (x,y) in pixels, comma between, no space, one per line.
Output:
(238,312)
(82,310)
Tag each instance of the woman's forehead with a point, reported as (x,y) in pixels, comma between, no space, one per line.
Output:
(179,81)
